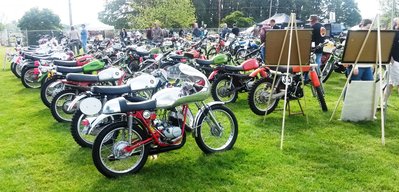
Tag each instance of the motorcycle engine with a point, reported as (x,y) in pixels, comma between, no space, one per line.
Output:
(295,88)
(170,128)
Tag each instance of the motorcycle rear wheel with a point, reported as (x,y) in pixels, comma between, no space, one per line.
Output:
(108,155)
(60,104)
(47,94)
(29,79)
(222,91)
(258,97)
(212,137)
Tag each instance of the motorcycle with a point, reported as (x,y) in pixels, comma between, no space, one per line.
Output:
(159,124)
(262,90)
(229,80)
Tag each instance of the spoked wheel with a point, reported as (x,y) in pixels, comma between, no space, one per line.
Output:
(49,89)
(29,79)
(217,129)
(326,71)
(240,55)
(60,104)
(211,53)
(223,90)
(258,97)
(80,128)
(13,68)
(18,70)
(109,155)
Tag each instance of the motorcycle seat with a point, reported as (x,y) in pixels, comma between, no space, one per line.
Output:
(111,90)
(62,69)
(177,57)
(65,63)
(204,62)
(82,77)
(233,68)
(37,57)
(143,53)
(127,106)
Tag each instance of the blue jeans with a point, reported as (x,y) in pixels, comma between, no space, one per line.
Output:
(84,45)
(262,53)
(365,74)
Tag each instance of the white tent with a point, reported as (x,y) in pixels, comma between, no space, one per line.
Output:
(98,26)
(280,18)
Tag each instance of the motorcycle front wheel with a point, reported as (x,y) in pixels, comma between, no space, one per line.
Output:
(29,79)
(49,89)
(326,71)
(258,97)
(223,90)
(217,129)
(320,97)
(109,155)
(60,105)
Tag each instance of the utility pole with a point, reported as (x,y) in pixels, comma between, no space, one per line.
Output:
(270,9)
(219,9)
(70,13)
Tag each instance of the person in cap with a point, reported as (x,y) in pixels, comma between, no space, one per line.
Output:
(318,35)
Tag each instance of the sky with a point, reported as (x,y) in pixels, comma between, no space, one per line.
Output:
(85,11)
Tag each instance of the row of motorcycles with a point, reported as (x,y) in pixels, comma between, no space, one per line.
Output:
(127,102)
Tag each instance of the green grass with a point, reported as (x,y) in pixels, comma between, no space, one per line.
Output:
(38,154)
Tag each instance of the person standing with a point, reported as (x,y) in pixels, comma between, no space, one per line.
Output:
(123,35)
(83,38)
(196,32)
(362,72)
(149,34)
(318,34)
(273,24)
(394,67)
(157,33)
(235,30)
(225,31)
(74,40)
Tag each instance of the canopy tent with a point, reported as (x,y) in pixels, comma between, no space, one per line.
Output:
(280,18)
(98,26)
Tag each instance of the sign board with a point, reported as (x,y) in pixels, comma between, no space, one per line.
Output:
(360,103)
(354,42)
(274,44)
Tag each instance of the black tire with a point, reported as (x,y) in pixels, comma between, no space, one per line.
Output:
(205,142)
(258,96)
(18,70)
(103,139)
(82,139)
(327,71)
(240,55)
(222,92)
(13,67)
(211,52)
(320,97)
(47,95)
(29,79)
(59,107)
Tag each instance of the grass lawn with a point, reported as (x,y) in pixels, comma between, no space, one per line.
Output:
(39,154)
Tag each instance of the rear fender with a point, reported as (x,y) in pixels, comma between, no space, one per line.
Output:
(100,118)
(261,71)
(213,74)
(76,100)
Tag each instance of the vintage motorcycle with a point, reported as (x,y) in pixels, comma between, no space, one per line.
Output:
(159,124)
(262,90)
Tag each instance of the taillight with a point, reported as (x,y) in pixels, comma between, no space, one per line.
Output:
(36,63)
(36,71)
(85,122)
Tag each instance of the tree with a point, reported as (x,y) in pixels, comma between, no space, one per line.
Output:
(36,19)
(346,11)
(170,13)
(116,13)
(390,10)
(238,18)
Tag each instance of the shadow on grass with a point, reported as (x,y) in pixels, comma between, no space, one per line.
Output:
(206,172)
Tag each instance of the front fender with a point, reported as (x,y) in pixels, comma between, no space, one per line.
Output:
(201,111)
(76,100)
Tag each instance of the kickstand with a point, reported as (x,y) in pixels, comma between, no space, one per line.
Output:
(295,113)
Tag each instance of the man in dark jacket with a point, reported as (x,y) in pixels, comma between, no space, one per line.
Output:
(317,36)
(235,30)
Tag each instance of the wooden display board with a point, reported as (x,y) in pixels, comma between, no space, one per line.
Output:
(274,47)
(354,43)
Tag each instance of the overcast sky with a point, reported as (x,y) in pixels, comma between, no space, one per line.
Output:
(85,11)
